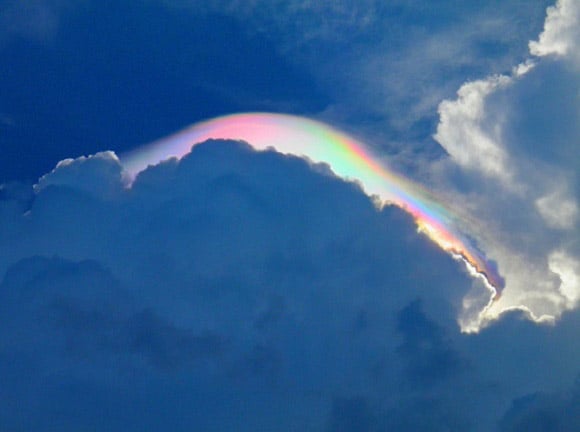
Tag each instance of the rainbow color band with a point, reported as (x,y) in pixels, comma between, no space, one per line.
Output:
(348,159)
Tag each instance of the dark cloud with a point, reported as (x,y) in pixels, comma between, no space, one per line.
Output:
(230,268)
(429,357)
(81,311)
(242,290)
(421,413)
(558,412)
(166,345)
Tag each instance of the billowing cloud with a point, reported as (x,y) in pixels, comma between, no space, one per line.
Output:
(227,269)
(561,31)
(465,138)
(243,290)
(243,282)
(522,195)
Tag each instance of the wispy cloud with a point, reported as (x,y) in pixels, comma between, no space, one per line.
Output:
(397,60)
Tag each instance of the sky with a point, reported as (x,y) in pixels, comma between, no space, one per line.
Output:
(392,245)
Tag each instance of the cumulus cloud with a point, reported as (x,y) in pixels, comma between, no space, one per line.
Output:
(227,268)
(567,268)
(463,134)
(240,282)
(519,197)
(99,175)
(561,31)
(235,290)
(429,357)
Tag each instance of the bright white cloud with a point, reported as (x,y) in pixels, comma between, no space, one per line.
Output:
(524,211)
(567,268)
(561,35)
(464,133)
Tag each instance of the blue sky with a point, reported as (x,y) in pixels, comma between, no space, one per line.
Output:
(213,295)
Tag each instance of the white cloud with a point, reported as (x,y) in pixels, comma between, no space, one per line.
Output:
(561,35)
(99,174)
(559,210)
(567,268)
(464,133)
(520,207)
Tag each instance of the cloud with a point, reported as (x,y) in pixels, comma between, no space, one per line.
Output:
(464,135)
(247,283)
(542,412)
(429,357)
(518,193)
(80,310)
(398,59)
(236,290)
(568,270)
(558,210)
(560,36)
(99,175)
(229,268)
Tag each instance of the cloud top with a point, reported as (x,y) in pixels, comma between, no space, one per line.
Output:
(347,158)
